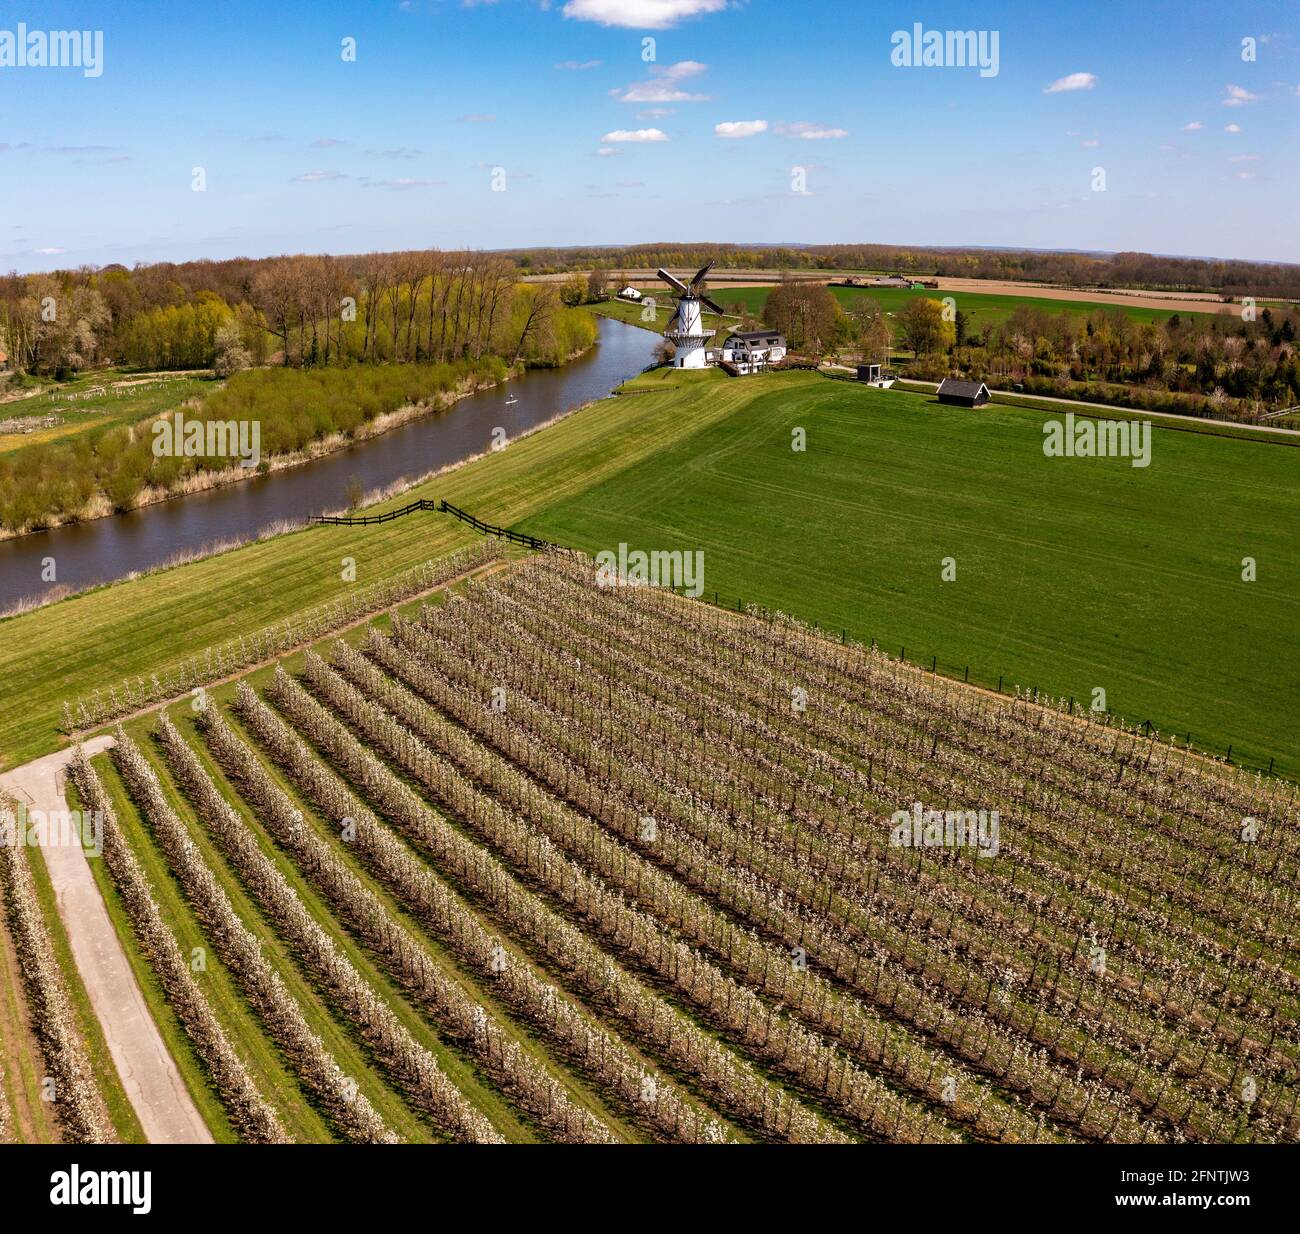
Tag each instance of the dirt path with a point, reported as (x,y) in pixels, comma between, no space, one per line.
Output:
(1099,409)
(148,1072)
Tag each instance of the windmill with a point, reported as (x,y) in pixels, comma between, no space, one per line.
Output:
(685,330)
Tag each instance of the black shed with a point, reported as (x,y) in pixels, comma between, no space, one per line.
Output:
(963,393)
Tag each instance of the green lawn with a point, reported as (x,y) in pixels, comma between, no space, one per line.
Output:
(1072,574)
(982,308)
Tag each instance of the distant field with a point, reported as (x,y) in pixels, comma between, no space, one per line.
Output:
(97,401)
(1072,574)
(979,307)
(633,314)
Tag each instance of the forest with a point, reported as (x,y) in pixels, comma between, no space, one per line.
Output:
(429,306)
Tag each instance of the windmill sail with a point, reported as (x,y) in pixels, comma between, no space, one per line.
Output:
(685,330)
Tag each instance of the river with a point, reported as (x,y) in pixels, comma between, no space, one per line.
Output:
(100,551)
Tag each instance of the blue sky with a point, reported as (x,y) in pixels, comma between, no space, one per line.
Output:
(306,152)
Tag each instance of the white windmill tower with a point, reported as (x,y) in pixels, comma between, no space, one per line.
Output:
(685,330)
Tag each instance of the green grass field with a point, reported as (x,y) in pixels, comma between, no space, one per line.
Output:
(97,401)
(981,308)
(1072,574)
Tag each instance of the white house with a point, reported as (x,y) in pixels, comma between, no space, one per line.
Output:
(753,350)
(629,293)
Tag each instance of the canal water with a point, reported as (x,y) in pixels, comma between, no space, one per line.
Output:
(106,549)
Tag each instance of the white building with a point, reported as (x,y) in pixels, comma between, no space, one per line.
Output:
(753,350)
(629,293)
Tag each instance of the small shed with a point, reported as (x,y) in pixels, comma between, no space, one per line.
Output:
(629,293)
(960,393)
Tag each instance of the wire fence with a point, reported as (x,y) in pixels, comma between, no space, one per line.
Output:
(1007,686)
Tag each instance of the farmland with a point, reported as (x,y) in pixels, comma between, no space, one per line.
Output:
(981,308)
(853,533)
(608,883)
(528,860)
(885,491)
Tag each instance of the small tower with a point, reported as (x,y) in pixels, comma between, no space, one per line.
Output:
(685,330)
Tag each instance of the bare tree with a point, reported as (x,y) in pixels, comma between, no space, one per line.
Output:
(543,300)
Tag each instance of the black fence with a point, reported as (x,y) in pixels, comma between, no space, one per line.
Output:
(365,520)
(443,507)
(504,533)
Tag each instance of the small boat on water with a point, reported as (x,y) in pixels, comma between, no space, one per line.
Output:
(511,399)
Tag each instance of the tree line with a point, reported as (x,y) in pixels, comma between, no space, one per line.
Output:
(425,306)
(1227,363)
(1228,278)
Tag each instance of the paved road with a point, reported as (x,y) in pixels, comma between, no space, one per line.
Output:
(148,1072)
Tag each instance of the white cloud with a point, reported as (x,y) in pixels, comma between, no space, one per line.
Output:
(401,183)
(1193,127)
(605,151)
(740,128)
(324,143)
(626,135)
(477,117)
(805,130)
(1232,128)
(1092,142)
(50,252)
(575,66)
(640,14)
(1237,97)
(1243,158)
(1074,81)
(655,113)
(1247,175)
(314,177)
(664,85)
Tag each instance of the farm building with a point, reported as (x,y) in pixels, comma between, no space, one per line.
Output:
(874,375)
(898,280)
(752,351)
(960,393)
(629,293)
